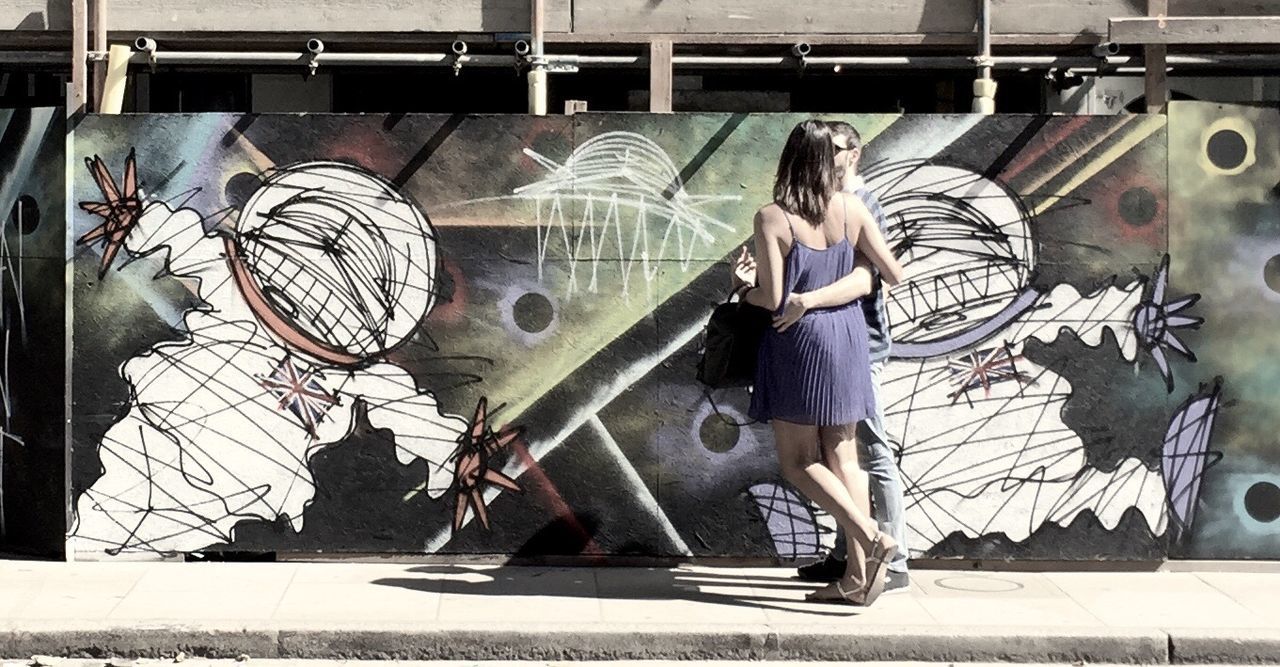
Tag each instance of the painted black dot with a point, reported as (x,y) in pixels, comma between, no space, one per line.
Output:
(240,187)
(718,434)
(533,312)
(1262,502)
(25,214)
(1227,149)
(1138,206)
(1271,273)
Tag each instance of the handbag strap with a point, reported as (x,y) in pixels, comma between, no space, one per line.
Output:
(716,409)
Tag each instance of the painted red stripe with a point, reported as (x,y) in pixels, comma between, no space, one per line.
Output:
(1047,143)
(556,502)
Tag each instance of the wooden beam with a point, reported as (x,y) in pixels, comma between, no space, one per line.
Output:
(444,16)
(661,75)
(1155,63)
(1196,30)
(98,69)
(78,95)
(937,39)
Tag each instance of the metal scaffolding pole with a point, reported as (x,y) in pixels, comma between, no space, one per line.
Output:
(984,87)
(155,55)
(537,66)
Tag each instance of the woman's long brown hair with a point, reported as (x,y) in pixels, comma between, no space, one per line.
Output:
(807,179)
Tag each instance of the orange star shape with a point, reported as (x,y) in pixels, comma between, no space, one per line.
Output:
(120,210)
(479,444)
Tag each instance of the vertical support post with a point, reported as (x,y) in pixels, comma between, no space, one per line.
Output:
(661,75)
(78,96)
(984,87)
(98,69)
(115,79)
(537,76)
(1155,64)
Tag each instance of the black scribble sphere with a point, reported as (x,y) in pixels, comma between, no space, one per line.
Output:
(1227,149)
(533,312)
(1262,502)
(340,256)
(1138,206)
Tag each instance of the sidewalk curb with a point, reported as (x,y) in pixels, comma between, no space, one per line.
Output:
(531,642)
(654,642)
(137,642)
(975,644)
(1204,646)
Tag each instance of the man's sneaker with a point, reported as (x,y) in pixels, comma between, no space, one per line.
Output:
(826,570)
(897,582)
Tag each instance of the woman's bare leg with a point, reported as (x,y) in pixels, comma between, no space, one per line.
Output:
(840,454)
(798,455)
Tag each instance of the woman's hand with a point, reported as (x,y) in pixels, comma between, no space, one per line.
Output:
(744,270)
(795,308)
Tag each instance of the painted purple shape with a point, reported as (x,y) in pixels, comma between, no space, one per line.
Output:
(965,339)
(791,522)
(1155,322)
(1186,452)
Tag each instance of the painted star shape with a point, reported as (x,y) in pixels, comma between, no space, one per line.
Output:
(1156,322)
(478,446)
(120,210)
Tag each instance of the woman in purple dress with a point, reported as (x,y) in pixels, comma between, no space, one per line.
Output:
(813,382)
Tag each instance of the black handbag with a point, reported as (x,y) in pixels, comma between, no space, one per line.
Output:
(730,344)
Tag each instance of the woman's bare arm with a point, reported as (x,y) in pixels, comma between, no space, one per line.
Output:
(853,286)
(769,263)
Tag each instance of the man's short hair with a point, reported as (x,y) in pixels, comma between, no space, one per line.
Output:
(848,131)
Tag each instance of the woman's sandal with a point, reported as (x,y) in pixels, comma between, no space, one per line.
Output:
(878,567)
(853,596)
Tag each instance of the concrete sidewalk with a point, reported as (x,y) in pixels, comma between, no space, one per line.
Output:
(464,612)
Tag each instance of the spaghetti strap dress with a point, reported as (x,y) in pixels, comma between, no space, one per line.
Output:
(818,371)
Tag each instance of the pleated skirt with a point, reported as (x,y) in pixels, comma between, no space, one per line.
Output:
(818,372)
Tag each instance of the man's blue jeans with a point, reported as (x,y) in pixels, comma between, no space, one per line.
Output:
(876,456)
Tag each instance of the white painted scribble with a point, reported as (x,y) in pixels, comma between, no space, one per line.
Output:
(618,199)
(328,269)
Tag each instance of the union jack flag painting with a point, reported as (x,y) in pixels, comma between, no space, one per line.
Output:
(982,369)
(300,393)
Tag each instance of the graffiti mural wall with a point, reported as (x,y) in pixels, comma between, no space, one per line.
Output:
(1224,176)
(32,326)
(477,334)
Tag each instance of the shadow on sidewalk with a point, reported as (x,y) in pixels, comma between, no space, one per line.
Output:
(648,584)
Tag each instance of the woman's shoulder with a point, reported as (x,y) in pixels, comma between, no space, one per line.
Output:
(770,210)
(770,215)
(850,204)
